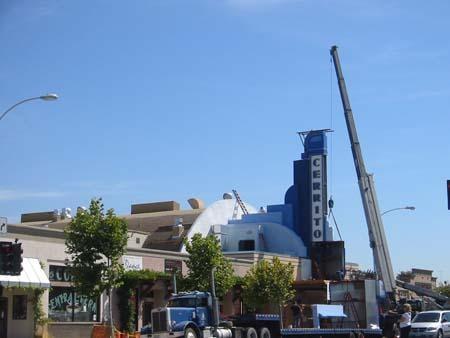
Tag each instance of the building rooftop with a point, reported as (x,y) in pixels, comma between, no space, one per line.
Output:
(421,271)
(164,223)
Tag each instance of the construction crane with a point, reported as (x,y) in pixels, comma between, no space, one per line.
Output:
(377,237)
(441,300)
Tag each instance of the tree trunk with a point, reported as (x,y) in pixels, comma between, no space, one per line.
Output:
(111,323)
(280,309)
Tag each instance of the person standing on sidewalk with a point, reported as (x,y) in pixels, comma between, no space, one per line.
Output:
(405,321)
(296,314)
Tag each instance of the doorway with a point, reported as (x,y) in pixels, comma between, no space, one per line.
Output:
(147,313)
(3,317)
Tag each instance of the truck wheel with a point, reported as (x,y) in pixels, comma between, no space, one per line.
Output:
(264,332)
(251,333)
(189,332)
(440,335)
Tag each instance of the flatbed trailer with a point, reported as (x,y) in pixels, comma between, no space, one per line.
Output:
(332,332)
(272,323)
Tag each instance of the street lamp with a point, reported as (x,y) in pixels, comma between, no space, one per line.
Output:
(46,97)
(402,208)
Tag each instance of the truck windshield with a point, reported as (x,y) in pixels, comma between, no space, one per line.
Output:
(182,302)
(423,317)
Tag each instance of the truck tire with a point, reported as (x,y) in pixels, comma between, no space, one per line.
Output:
(189,332)
(251,333)
(264,332)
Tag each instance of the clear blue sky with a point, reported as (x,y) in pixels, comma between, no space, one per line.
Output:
(169,99)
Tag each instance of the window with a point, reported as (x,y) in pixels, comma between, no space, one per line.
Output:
(202,301)
(20,307)
(65,305)
(427,317)
(446,316)
(247,245)
(182,302)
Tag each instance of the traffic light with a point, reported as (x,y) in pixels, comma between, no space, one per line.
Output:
(6,258)
(10,258)
(17,258)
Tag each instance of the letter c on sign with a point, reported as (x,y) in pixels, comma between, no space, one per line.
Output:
(316,162)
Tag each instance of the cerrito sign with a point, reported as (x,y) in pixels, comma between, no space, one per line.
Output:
(317,195)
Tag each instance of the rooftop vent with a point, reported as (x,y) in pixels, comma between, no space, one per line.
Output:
(227,196)
(154,207)
(177,229)
(66,213)
(196,203)
(56,215)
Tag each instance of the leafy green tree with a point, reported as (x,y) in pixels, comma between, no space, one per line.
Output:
(95,241)
(405,276)
(444,289)
(205,253)
(268,283)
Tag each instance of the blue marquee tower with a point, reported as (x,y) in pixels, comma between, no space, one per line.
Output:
(308,195)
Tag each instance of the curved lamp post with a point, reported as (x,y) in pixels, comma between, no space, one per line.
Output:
(47,97)
(402,208)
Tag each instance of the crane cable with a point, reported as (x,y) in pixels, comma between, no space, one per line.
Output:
(335,223)
(330,201)
(331,127)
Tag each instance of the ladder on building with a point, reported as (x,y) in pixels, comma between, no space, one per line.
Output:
(349,304)
(239,202)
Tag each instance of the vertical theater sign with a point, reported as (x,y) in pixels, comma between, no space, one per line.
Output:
(317,197)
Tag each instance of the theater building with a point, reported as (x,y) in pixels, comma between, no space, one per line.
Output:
(156,232)
(296,231)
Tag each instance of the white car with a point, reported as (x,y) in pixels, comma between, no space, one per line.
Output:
(434,324)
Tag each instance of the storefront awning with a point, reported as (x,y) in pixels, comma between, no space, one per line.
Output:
(32,275)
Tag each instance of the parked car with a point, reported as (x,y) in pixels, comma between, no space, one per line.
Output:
(434,324)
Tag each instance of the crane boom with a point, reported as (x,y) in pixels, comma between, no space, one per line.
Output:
(441,299)
(377,237)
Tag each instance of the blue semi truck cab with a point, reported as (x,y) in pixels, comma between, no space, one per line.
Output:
(192,310)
